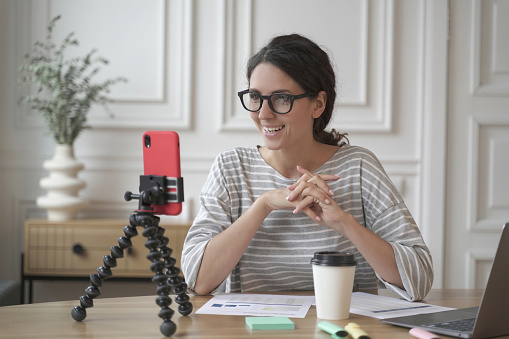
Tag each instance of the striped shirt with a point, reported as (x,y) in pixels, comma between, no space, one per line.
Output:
(278,257)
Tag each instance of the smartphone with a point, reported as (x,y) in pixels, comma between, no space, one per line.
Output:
(161,157)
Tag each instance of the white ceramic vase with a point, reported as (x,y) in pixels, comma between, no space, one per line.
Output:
(62,201)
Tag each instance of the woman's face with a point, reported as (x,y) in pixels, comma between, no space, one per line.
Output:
(282,131)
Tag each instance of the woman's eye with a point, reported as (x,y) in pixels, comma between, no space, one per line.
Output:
(254,96)
(282,99)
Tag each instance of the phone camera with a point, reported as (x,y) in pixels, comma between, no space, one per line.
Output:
(148,142)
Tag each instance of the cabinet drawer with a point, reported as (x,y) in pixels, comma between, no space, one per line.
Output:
(52,248)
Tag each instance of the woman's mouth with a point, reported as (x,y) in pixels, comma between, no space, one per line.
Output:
(272,129)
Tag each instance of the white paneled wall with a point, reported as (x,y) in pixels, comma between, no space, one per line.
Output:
(185,61)
(478,189)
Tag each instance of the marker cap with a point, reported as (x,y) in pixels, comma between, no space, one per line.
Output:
(422,334)
(333,329)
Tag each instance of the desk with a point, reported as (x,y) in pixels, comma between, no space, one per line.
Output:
(136,317)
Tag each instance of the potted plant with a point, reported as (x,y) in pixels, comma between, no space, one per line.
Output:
(64,92)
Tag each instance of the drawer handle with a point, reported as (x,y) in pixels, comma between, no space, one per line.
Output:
(78,249)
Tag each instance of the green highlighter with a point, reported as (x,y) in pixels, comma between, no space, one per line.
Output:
(270,323)
(334,330)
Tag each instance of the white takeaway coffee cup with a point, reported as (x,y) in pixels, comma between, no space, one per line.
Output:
(333,276)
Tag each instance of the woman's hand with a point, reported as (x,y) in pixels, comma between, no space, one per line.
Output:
(313,196)
(293,197)
(307,177)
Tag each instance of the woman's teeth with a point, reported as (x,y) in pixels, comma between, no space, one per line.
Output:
(273,129)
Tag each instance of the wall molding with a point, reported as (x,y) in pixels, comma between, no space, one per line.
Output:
(433,133)
(474,222)
(475,259)
(486,79)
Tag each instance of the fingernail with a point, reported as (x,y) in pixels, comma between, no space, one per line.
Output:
(327,201)
(330,192)
(318,218)
(294,211)
(288,198)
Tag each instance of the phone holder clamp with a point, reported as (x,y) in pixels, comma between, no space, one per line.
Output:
(157,190)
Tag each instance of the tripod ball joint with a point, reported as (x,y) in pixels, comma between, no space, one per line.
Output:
(168,328)
(78,313)
(185,309)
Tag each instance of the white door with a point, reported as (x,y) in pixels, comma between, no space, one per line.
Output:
(477,185)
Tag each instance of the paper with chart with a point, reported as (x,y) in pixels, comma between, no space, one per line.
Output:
(377,306)
(292,306)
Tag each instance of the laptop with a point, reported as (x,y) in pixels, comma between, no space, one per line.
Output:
(490,319)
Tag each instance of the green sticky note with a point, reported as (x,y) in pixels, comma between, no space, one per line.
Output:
(270,323)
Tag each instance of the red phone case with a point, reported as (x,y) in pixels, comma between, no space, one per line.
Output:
(161,157)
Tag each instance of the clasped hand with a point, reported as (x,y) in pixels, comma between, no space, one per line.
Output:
(312,196)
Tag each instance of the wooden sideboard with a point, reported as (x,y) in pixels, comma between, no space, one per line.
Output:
(59,250)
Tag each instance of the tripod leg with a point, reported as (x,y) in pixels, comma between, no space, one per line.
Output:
(174,279)
(157,245)
(173,273)
(151,231)
(79,313)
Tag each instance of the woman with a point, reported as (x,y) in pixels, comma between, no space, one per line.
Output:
(266,210)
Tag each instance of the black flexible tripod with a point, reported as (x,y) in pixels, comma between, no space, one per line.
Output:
(154,190)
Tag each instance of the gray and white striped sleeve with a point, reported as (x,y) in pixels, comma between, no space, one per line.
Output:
(212,218)
(388,217)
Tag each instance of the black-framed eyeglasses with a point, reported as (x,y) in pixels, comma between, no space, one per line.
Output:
(280,103)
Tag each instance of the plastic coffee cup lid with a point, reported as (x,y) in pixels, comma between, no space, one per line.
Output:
(333,259)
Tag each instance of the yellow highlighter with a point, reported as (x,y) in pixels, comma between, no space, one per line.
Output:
(356,332)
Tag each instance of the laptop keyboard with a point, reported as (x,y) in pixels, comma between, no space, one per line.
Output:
(462,325)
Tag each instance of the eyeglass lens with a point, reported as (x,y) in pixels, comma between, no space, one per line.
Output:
(280,103)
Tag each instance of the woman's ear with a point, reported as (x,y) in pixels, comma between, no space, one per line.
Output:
(319,104)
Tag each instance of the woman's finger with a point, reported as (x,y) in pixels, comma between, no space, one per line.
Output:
(308,178)
(305,206)
(308,189)
(319,180)
(310,197)
(312,214)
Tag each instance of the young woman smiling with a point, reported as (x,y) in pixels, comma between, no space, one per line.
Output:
(265,210)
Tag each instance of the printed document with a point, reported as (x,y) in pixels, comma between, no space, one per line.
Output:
(377,306)
(292,306)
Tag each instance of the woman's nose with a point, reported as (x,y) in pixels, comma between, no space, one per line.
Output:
(265,111)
